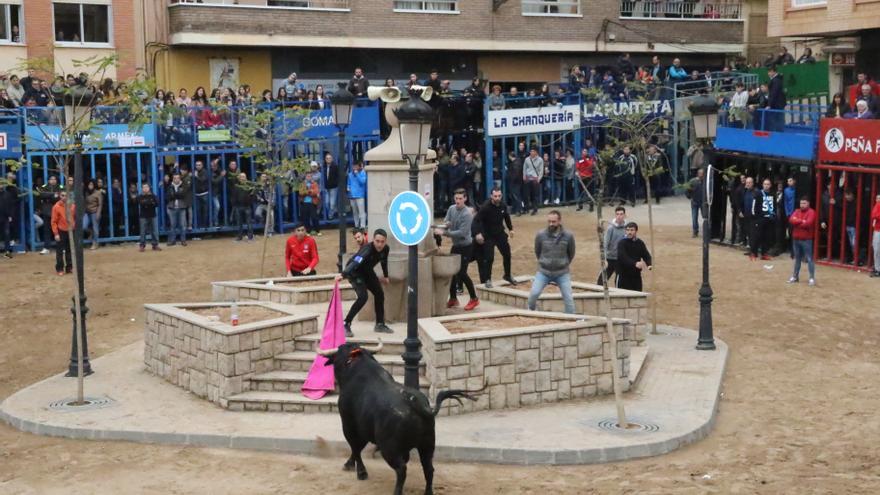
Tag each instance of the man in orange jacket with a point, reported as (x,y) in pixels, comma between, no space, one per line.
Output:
(875,230)
(301,253)
(61,230)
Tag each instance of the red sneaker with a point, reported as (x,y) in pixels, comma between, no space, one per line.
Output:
(752,257)
(141,249)
(766,257)
(473,303)
(60,274)
(452,303)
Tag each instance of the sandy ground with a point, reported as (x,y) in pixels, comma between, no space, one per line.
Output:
(798,413)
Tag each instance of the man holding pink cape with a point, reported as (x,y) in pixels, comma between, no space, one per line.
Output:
(320,378)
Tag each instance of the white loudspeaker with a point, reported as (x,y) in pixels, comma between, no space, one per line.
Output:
(427,91)
(388,95)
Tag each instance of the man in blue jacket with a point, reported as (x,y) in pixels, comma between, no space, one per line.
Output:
(789,201)
(357,191)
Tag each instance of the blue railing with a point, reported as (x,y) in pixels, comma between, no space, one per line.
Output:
(788,133)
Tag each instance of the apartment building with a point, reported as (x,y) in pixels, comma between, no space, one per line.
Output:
(260,42)
(846,32)
(70,30)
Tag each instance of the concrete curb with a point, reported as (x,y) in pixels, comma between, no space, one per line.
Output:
(312,446)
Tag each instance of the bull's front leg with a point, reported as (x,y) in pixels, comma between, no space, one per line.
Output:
(357,445)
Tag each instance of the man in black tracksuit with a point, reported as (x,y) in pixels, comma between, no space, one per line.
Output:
(360,271)
(489,233)
(633,258)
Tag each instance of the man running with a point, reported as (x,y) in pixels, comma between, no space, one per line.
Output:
(360,271)
(458,228)
(554,249)
(491,220)
(633,258)
(300,253)
(613,234)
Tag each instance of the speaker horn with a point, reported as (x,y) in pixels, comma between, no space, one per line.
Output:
(427,91)
(388,95)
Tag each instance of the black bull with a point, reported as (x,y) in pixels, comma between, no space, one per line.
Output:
(375,408)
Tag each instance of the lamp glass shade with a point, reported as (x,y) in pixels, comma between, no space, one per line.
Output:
(342,103)
(704,112)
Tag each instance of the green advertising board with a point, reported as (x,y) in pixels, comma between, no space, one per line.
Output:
(214,135)
(800,80)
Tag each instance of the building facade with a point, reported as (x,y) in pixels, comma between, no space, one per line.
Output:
(70,30)
(512,41)
(846,32)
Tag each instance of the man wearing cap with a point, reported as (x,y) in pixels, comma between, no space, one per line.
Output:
(361,273)
(300,253)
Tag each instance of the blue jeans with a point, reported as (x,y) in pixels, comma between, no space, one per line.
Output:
(215,213)
(177,217)
(151,226)
(803,249)
(563,281)
(696,211)
(202,218)
(92,220)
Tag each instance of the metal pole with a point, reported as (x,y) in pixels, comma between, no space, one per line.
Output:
(706,341)
(79,349)
(412,355)
(341,184)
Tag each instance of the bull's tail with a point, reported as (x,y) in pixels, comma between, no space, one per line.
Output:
(457,395)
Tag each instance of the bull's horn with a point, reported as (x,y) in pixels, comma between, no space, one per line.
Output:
(325,352)
(374,350)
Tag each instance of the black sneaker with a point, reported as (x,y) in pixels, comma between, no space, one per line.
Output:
(348,332)
(875,274)
(509,280)
(8,255)
(382,328)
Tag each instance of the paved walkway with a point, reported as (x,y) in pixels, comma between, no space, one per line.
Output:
(675,400)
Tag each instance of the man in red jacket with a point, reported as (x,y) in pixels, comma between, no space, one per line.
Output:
(803,230)
(301,253)
(875,229)
(855,90)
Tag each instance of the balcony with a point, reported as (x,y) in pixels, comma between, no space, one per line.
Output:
(687,10)
(344,5)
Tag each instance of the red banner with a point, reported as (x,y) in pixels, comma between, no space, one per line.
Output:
(849,141)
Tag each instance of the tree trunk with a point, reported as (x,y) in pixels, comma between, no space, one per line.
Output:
(653,286)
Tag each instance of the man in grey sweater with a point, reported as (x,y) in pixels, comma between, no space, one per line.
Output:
(458,228)
(554,249)
(613,234)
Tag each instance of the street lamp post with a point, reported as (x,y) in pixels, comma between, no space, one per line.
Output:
(415,117)
(342,102)
(704,111)
(77,111)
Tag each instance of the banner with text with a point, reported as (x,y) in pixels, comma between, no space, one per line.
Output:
(49,137)
(849,141)
(603,110)
(319,124)
(534,120)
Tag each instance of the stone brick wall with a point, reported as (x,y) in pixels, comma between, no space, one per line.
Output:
(247,290)
(526,369)
(376,19)
(213,360)
(630,305)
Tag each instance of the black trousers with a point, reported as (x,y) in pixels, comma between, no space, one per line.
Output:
(489,245)
(63,262)
(462,276)
(361,286)
(532,191)
(298,274)
(630,281)
(735,228)
(609,271)
(761,235)
(514,196)
(6,234)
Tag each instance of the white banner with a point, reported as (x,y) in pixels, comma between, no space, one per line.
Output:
(534,120)
(648,107)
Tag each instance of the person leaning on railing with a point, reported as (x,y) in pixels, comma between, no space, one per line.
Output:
(838,108)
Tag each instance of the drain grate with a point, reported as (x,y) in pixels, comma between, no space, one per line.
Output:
(634,426)
(90,404)
(670,333)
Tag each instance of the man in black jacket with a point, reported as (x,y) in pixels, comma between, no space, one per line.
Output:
(178,198)
(8,212)
(775,101)
(48,194)
(147,203)
(202,185)
(358,84)
(330,173)
(514,182)
(218,178)
(491,220)
(633,258)
(736,205)
(361,273)
(241,197)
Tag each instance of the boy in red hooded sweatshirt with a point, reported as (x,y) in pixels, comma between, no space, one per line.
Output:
(875,229)
(803,230)
(300,253)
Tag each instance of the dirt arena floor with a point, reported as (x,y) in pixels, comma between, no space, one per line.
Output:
(798,414)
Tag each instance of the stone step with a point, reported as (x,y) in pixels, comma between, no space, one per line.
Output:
(309,342)
(302,361)
(292,381)
(280,402)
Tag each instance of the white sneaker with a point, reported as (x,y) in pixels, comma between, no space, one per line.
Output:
(792,280)
(44,251)
(812,282)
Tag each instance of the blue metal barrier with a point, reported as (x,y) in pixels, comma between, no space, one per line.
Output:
(789,133)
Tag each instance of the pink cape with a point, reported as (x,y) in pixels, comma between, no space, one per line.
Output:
(320,379)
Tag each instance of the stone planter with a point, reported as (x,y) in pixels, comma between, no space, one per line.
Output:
(285,290)
(553,357)
(211,358)
(588,300)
